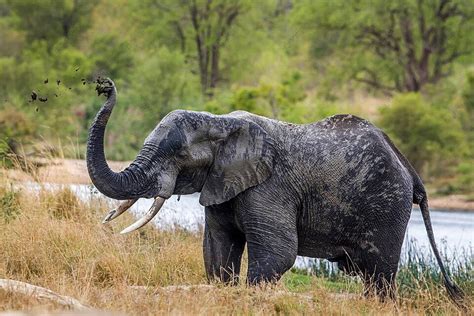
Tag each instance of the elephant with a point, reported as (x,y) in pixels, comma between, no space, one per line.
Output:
(336,189)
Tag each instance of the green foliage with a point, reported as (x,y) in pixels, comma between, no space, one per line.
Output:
(297,282)
(277,101)
(247,99)
(468,101)
(15,129)
(9,204)
(293,61)
(217,105)
(465,179)
(388,45)
(423,133)
(52,19)
(112,57)
(157,86)
(468,93)
(161,83)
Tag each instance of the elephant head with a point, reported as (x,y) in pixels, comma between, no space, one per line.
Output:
(217,155)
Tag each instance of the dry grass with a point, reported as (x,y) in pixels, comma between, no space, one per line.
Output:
(53,240)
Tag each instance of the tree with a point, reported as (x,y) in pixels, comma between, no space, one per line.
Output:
(112,57)
(202,28)
(51,20)
(211,23)
(392,45)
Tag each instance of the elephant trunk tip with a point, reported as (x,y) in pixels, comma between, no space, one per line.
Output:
(105,86)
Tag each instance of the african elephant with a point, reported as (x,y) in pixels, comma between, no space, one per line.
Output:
(337,189)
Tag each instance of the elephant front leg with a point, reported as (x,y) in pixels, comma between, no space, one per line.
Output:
(267,264)
(222,254)
(272,239)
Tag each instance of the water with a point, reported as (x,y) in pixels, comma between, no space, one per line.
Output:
(454,231)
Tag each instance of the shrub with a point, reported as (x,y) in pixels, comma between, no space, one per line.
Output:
(465,179)
(468,93)
(280,101)
(424,133)
(15,129)
(9,204)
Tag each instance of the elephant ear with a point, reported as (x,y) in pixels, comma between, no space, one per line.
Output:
(244,158)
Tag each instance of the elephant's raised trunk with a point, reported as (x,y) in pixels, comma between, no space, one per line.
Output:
(112,184)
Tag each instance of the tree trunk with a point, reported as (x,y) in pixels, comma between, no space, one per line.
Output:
(214,66)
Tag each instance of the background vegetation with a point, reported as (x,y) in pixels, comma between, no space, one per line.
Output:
(405,65)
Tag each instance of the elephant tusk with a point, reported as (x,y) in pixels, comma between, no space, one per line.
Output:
(119,210)
(154,209)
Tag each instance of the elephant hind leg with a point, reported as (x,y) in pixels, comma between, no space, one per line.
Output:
(379,277)
(376,272)
(381,285)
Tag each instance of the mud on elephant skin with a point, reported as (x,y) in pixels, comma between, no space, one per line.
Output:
(337,189)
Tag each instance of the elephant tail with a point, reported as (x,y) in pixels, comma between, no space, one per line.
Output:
(455,293)
(420,197)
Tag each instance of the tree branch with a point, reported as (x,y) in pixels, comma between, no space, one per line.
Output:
(375,82)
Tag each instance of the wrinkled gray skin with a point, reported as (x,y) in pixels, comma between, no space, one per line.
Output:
(336,189)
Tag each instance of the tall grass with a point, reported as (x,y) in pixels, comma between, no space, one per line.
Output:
(420,272)
(50,238)
(415,264)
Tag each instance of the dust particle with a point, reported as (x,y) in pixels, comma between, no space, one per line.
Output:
(34,95)
(43,99)
(46,81)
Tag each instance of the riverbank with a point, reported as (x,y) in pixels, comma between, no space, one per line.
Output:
(74,171)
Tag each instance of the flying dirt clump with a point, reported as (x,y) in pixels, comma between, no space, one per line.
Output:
(35,96)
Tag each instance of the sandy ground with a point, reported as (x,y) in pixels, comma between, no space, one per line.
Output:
(69,171)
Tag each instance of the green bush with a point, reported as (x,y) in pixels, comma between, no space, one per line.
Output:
(9,204)
(280,101)
(424,133)
(468,93)
(15,129)
(465,178)
(112,57)
(252,100)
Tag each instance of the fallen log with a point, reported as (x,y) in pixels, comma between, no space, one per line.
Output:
(41,293)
